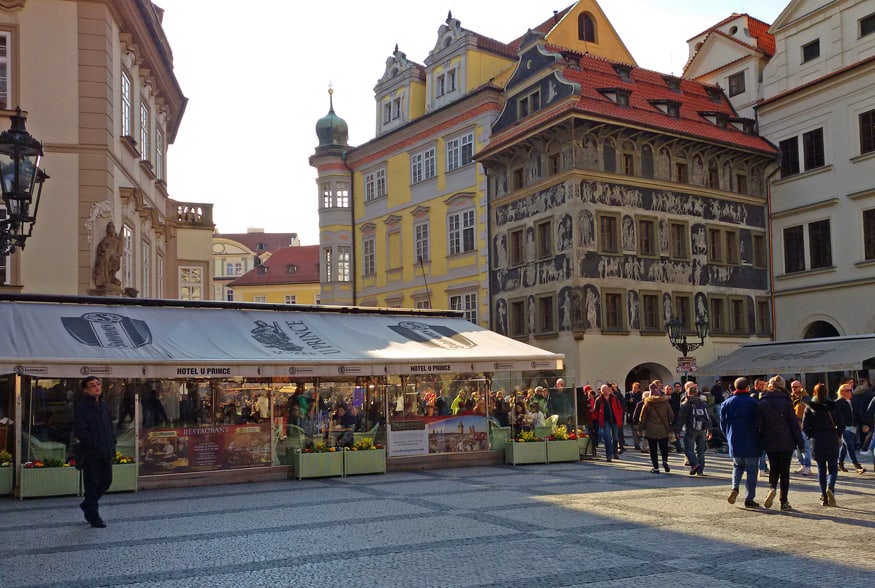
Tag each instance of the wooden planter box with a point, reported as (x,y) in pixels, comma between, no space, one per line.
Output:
(5,480)
(124,477)
(369,461)
(564,450)
(527,452)
(49,482)
(318,465)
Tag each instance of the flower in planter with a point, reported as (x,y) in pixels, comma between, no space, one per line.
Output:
(118,458)
(526,436)
(365,444)
(560,434)
(5,459)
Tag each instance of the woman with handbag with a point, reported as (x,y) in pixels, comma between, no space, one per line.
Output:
(655,424)
(824,428)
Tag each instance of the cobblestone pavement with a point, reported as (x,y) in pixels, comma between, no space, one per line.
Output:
(572,524)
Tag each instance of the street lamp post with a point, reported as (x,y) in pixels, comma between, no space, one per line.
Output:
(21,181)
(674,328)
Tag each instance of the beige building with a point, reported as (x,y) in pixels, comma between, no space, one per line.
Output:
(235,254)
(96,81)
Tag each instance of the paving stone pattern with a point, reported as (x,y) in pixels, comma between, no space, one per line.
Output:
(572,524)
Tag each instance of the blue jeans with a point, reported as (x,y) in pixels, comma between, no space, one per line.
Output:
(827,473)
(849,439)
(610,433)
(762,463)
(749,466)
(695,443)
(805,456)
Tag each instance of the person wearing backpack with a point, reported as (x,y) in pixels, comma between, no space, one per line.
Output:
(693,417)
(780,432)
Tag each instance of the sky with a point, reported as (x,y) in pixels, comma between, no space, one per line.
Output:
(256,75)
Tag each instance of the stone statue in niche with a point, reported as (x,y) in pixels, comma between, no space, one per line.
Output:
(107,262)
(633,309)
(565,309)
(501,311)
(628,233)
(532,315)
(593,309)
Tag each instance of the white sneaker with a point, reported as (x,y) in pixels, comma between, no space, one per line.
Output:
(806,471)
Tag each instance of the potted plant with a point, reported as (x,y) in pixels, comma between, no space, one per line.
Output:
(365,457)
(124,473)
(5,473)
(318,461)
(50,477)
(560,447)
(525,448)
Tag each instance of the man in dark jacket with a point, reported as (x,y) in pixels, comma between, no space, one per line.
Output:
(737,424)
(780,433)
(92,426)
(694,423)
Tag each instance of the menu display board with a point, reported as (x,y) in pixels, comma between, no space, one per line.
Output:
(213,447)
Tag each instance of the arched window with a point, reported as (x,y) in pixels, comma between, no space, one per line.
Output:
(586,27)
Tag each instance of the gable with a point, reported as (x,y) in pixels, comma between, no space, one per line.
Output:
(607,44)
(796,10)
(717,51)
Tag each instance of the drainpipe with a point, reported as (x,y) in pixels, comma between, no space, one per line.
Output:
(771,248)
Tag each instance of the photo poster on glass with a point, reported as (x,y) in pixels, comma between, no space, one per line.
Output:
(358,396)
(453,434)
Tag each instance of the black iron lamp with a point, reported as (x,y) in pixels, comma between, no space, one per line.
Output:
(678,338)
(21,181)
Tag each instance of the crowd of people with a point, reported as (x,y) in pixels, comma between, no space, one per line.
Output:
(761,426)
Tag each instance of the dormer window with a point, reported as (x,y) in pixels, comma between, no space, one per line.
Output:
(396,108)
(718,119)
(260,246)
(387,113)
(291,269)
(586,30)
(617,95)
(262,269)
(673,83)
(624,71)
(745,125)
(529,104)
(671,108)
(715,94)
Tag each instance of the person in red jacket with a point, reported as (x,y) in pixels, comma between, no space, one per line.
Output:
(608,412)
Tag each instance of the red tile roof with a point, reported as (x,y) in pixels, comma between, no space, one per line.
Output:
(275,270)
(760,30)
(272,241)
(645,87)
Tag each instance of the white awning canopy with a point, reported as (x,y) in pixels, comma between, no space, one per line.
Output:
(72,339)
(806,356)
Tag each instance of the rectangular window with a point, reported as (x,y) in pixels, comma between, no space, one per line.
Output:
(290,299)
(529,104)
(736,84)
(759,250)
(341,196)
(609,235)
(650,313)
(794,249)
(869,234)
(460,151)
(146,274)
(811,51)
(343,264)
(229,295)
(261,299)
(369,256)
(517,318)
(764,316)
(451,80)
(375,185)
(396,108)
(128,257)
(544,239)
(546,319)
(191,283)
(387,112)
(812,148)
(646,237)
(554,164)
(440,86)
(628,164)
(328,260)
(420,239)
(422,304)
(144,132)
(5,68)
(519,180)
(741,184)
(516,248)
(867,132)
(788,150)
(732,247)
(715,246)
(737,316)
(461,231)
(422,166)
(467,303)
(614,311)
(683,310)
(679,241)
(159,276)
(327,200)
(159,154)
(717,315)
(820,244)
(127,105)
(867,25)
(681,173)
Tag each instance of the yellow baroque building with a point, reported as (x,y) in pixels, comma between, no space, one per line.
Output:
(403,217)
